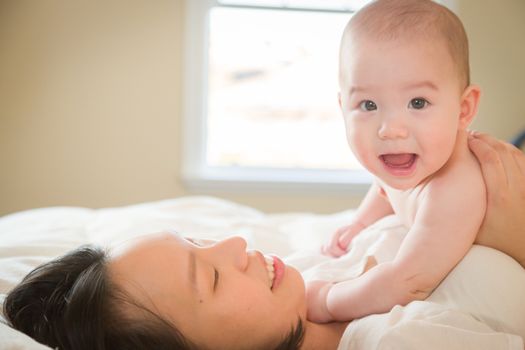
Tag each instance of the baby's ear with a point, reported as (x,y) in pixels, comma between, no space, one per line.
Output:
(469,105)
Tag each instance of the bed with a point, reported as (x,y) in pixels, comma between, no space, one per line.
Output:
(486,290)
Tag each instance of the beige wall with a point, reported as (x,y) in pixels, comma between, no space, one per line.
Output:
(496,32)
(91,93)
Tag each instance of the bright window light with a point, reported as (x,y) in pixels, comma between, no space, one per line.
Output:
(272,98)
(260,105)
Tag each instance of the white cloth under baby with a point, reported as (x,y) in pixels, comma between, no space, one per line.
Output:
(480,305)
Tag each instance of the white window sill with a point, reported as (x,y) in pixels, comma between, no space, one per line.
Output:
(230,179)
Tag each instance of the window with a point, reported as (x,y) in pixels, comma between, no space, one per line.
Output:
(261,95)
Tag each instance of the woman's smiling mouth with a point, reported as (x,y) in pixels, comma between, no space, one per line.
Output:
(276,269)
(270,268)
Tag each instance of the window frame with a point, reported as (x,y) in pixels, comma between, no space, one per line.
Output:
(196,174)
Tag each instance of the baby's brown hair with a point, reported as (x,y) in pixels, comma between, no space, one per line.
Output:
(393,19)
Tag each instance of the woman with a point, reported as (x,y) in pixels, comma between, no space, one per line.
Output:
(165,292)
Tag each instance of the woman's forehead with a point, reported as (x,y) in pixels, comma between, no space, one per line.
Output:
(143,242)
(154,271)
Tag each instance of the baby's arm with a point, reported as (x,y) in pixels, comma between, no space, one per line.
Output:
(373,207)
(445,227)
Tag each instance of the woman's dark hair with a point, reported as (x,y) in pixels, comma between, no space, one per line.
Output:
(71,304)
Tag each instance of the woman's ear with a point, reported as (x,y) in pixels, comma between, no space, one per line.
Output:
(469,105)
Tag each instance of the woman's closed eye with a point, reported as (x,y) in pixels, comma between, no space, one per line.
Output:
(215,279)
(204,243)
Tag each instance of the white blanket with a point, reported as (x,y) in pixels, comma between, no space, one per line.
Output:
(481,305)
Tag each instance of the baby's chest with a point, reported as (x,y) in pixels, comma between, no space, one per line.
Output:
(405,205)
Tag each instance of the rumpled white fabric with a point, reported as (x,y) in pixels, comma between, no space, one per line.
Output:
(481,304)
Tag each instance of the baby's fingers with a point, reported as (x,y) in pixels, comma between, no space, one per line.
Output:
(346,238)
(333,250)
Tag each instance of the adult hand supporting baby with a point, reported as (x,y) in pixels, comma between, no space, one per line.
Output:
(503,168)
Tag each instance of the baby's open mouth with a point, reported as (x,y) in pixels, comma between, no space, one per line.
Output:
(399,160)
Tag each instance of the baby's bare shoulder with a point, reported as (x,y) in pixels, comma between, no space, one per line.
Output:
(463,170)
(460,184)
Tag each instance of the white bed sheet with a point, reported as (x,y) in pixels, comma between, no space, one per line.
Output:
(32,237)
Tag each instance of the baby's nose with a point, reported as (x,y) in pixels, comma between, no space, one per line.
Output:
(392,128)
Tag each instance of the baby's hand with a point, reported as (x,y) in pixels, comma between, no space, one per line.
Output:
(341,239)
(316,292)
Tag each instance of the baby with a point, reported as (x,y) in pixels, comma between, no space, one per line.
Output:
(407,101)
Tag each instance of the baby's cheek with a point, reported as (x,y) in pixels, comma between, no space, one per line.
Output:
(366,158)
(357,145)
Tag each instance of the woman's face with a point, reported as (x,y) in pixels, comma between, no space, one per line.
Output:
(218,295)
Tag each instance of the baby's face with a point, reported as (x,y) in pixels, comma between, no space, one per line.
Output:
(401,105)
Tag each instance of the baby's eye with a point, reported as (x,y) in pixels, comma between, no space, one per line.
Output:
(418,103)
(368,105)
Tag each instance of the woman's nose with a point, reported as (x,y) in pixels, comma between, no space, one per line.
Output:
(232,250)
(393,128)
